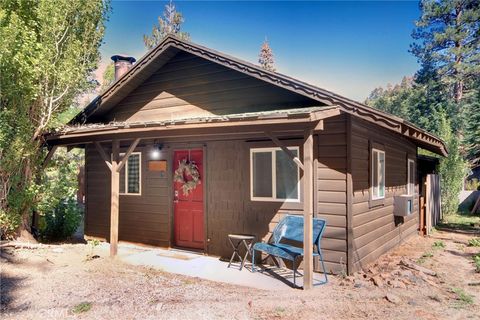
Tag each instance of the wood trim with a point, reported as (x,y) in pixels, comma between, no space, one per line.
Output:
(308,211)
(127,154)
(349,213)
(205,199)
(114,204)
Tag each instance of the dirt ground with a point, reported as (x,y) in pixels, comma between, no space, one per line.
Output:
(58,282)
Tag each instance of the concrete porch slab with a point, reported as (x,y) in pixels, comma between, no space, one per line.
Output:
(209,268)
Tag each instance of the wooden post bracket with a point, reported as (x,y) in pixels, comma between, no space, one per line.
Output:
(285,149)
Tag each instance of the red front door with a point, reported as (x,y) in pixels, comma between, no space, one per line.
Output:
(188,209)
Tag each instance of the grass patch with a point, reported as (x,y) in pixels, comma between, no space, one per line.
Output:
(476,261)
(474,242)
(460,221)
(82,307)
(463,298)
(424,257)
(438,245)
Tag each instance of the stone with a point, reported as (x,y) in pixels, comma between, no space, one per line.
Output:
(378,281)
(393,298)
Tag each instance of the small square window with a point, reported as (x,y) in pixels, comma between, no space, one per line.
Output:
(274,175)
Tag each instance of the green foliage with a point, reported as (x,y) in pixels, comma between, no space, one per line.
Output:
(170,23)
(464,221)
(448,37)
(472,185)
(82,307)
(56,196)
(462,297)
(474,242)
(108,76)
(452,170)
(48,51)
(476,261)
(438,245)
(62,221)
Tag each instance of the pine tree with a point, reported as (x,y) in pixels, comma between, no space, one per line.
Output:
(170,23)
(448,36)
(265,58)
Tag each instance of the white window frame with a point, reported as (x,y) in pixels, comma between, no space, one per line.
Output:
(274,198)
(376,196)
(410,184)
(139,176)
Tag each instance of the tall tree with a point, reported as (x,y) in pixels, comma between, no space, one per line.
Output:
(170,23)
(108,76)
(48,52)
(265,58)
(448,37)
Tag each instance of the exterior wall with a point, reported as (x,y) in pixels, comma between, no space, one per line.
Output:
(190,86)
(331,186)
(142,219)
(375,229)
(147,218)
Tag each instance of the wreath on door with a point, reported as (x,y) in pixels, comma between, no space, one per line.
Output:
(187,169)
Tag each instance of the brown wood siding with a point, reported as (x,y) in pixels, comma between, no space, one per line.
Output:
(189,86)
(375,229)
(143,218)
(332,191)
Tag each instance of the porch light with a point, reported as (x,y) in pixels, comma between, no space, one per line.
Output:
(156,151)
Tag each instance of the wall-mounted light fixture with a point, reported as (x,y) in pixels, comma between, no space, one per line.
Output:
(156,152)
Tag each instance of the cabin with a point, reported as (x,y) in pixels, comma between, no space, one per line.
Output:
(189,145)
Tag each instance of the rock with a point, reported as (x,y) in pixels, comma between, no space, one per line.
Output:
(418,268)
(378,281)
(393,298)
(397,284)
(360,284)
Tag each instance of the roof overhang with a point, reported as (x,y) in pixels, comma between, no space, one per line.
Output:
(247,125)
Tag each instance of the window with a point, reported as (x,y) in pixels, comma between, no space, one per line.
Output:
(273,175)
(131,175)
(411,177)
(378,174)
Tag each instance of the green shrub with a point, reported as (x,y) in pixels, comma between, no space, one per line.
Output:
(82,307)
(474,242)
(476,261)
(61,222)
(9,224)
(438,245)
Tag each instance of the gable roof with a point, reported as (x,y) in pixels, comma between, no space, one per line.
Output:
(171,45)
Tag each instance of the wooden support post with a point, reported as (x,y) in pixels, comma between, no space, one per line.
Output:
(115,189)
(308,210)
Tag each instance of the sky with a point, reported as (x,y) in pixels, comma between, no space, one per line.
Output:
(349,48)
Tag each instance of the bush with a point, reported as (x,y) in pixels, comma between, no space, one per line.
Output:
(62,222)
(9,224)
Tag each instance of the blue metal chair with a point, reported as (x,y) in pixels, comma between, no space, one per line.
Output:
(290,228)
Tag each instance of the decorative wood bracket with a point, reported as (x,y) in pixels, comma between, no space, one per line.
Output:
(285,149)
(103,154)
